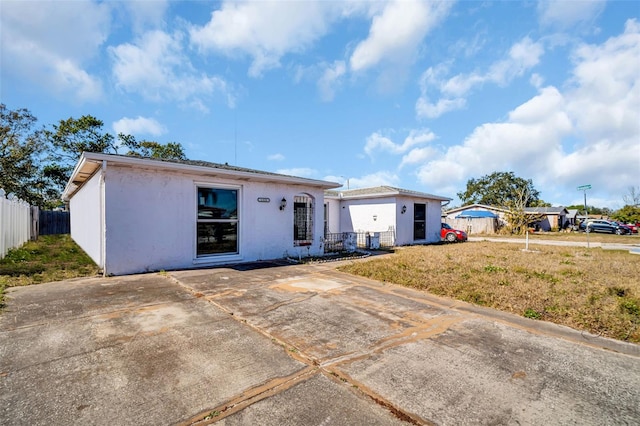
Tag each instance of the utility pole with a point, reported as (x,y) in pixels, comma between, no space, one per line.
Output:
(584,188)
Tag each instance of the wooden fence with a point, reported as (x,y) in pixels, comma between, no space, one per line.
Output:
(15,222)
(479,225)
(54,222)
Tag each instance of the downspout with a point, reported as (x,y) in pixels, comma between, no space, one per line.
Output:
(103,219)
(442,206)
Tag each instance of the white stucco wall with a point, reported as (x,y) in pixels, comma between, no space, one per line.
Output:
(151,220)
(434,221)
(334,215)
(86,220)
(367,215)
(404,230)
(357,216)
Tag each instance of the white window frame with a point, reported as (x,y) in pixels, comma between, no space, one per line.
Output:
(221,257)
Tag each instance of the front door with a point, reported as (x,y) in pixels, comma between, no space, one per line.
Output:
(419,221)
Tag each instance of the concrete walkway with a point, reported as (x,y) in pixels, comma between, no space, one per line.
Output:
(632,247)
(295,345)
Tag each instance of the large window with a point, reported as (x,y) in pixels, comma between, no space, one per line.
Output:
(217,222)
(419,221)
(302,220)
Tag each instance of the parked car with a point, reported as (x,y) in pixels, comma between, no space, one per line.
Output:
(622,225)
(633,226)
(601,225)
(450,235)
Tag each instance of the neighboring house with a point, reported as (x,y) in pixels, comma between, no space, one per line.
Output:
(475,222)
(414,216)
(474,209)
(551,217)
(477,218)
(133,215)
(572,217)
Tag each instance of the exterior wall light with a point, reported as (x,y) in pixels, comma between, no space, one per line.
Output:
(283,203)
(375,217)
(404,209)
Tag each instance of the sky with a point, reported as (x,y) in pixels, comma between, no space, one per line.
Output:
(418,95)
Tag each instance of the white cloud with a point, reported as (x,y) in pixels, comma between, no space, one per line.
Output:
(145,14)
(380,178)
(424,108)
(331,79)
(521,57)
(275,157)
(41,42)
(157,68)
(265,31)
(397,31)
(298,171)
(528,141)
(139,126)
(605,99)
(536,80)
(417,156)
(589,134)
(563,14)
(378,142)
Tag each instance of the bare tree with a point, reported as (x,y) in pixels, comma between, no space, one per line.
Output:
(633,197)
(518,219)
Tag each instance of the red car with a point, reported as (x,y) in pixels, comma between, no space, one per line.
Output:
(628,228)
(451,235)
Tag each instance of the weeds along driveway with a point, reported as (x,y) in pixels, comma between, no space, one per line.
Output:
(295,345)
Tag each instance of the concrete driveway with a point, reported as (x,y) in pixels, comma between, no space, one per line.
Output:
(295,345)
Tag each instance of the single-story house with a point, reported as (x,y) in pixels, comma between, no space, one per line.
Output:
(476,211)
(476,218)
(413,216)
(476,214)
(572,217)
(134,215)
(476,222)
(551,217)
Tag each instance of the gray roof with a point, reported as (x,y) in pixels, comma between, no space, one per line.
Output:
(381,191)
(546,210)
(477,206)
(89,163)
(476,214)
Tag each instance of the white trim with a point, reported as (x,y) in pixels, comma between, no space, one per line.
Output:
(256,175)
(217,258)
(103,217)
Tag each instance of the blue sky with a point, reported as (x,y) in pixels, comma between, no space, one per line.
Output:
(419,95)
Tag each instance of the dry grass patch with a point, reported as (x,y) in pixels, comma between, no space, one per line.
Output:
(588,289)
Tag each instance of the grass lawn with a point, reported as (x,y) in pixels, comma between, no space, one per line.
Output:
(587,289)
(51,258)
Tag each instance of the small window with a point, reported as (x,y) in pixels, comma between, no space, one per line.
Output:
(217,221)
(419,221)
(326,219)
(302,220)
